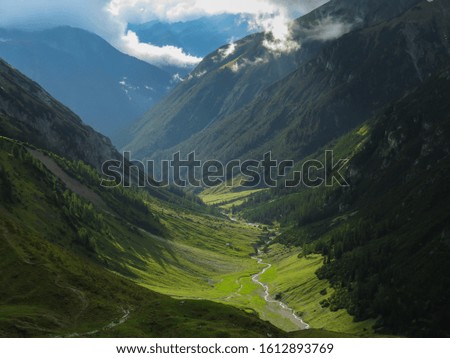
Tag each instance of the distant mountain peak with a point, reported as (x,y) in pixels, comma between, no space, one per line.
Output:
(83,71)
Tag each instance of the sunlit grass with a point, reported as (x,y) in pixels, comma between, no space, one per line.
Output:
(294,278)
(227,199)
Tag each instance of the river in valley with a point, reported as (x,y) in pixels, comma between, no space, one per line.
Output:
(274,305)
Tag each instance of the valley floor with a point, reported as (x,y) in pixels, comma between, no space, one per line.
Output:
(211,264)
(215,260)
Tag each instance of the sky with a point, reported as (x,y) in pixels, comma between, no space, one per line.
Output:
(110,18)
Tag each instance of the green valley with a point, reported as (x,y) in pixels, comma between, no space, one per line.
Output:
(60,278)
(88,250)
(87,258)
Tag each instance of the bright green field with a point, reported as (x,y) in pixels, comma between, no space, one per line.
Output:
(289,275)
(209,259)
(198,257)
(294,278)
(203,259)
(226,199)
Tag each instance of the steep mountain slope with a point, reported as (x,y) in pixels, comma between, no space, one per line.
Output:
(211,91)
(347,82)
(30,114)
(56,276)
(75,255)
(80,259)
(214,99)
(385,239)
(107,88)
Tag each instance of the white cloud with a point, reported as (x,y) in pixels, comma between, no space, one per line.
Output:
(228,51)
(196,74)
(328,29)
(109,19)
(270,16)
(277,23)
(244,62)
(159,56)
(278,32)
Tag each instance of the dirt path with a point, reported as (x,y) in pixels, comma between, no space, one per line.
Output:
(111,325)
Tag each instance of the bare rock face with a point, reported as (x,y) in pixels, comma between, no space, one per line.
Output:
(28,113)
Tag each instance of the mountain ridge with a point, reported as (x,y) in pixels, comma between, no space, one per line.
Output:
(216,91)
(105,87)
(70,237)
(28,113)
(385,237)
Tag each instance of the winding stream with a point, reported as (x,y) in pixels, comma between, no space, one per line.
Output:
(280,307)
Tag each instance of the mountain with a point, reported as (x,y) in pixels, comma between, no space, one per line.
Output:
(376,92)
(58,276)
(370,82)
(385,238)
(107,88)
(29,114)
(244,85)
(197,37)
(79,259)
(335,91)
(83,260)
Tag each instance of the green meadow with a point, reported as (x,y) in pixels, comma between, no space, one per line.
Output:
(86,257)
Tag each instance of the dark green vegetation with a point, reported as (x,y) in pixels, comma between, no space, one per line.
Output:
(385,239)
(254,100)
(53,282)
(78,259)
(377,94)
(369,258)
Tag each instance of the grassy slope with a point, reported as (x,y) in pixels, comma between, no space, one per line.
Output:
(51,285)
(84,288)
(385,238)
(293,276)
(296,280)
(226,199)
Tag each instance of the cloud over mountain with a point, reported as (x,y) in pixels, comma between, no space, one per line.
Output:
(109,19)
